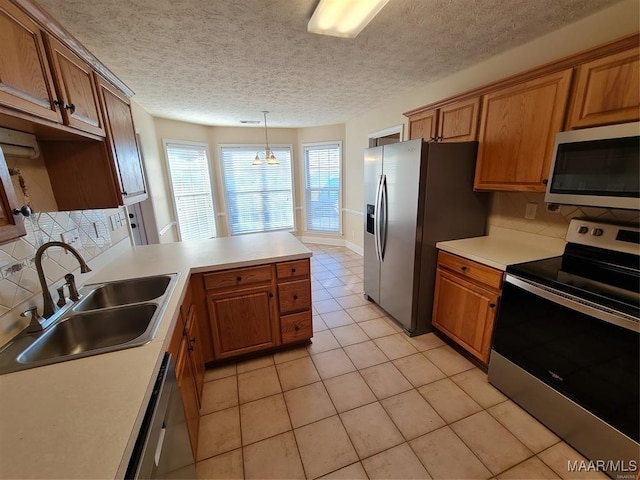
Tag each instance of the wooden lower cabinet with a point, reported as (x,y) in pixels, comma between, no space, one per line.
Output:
(464,308)
(186,351)
(186,383)
(243,321)
(257,308)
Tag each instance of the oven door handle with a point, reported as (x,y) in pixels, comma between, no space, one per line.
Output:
(575,303)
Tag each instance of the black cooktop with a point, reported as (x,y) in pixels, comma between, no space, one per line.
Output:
(607,278)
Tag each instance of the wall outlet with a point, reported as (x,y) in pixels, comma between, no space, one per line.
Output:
(71,237)
(530,211)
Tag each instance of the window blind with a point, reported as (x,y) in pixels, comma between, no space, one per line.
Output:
(322,187)
(259,197)
(191,186)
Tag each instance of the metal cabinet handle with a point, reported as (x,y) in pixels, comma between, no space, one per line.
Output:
(463,268)
(24,210)
(71,107)
(238,279)
(59,103)
(270,295)
(545,181)
(492,305)
(295,297)
(293,270)
(296,328)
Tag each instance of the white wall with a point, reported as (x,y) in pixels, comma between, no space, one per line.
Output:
(156,176)
(214,137)
(607,25)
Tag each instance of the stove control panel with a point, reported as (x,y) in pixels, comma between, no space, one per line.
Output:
(611,236)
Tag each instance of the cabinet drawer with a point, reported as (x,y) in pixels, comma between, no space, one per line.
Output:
(237,278)
(291,270)
(471,270)
(296,327)
(294,296)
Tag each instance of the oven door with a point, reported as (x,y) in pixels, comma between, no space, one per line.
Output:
(587,353)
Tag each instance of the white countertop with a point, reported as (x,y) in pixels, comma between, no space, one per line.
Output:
(80,419)
(504,247)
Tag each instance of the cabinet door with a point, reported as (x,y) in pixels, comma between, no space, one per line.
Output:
(518,128)
(459,122)
(423,125)
(243,321)
(185,377)
(122,142)
(195,352)
(465,312)
(607,91)
(77,92)
(11,226)
(25,80)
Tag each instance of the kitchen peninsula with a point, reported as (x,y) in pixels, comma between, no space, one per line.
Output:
(80,419)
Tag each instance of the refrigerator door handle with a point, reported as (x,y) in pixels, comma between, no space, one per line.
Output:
(376,229)
(384,198)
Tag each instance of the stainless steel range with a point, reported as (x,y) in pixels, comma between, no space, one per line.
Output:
(566,345)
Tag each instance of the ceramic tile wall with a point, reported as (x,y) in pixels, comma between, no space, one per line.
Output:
(508,209)
(89,231)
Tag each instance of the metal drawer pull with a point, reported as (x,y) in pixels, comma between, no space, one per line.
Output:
(293,270)
(296,328)
(295,297)
(463,268)
(492,305)
(238,279)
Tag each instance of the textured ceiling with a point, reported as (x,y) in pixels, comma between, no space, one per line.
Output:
(217,62)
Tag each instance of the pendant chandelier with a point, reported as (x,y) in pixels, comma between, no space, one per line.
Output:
(268,154)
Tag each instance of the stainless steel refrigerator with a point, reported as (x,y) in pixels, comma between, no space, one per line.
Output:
(416,194)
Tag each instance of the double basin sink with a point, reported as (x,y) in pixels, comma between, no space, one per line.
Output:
(108,317)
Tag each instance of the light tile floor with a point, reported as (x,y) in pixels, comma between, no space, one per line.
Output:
(366,401)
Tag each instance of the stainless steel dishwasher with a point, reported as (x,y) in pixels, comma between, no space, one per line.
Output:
(162,449)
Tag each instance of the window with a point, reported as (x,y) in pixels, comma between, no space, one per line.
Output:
(322,186)
(259,197)
(191,188)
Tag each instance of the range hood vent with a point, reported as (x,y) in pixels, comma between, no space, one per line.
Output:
(18,144)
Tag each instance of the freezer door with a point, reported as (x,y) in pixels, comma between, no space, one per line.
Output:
(401,173)
(372,176)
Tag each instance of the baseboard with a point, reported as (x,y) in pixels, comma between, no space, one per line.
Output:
(356,248)
(335,242)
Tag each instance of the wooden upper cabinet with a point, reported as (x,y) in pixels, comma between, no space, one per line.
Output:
(607,91)
(26,83)
(122,142)
(11,226)
(423,125)
(77,95)
(458,122)
(517,133)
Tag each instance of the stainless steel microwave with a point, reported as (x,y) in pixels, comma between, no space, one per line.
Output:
(596,167)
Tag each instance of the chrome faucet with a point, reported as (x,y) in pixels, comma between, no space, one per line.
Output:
(49,307)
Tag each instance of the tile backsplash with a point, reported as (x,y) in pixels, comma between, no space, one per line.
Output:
(508,210)
(88,231)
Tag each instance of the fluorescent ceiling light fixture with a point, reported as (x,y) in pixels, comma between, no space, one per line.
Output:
(343,18)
